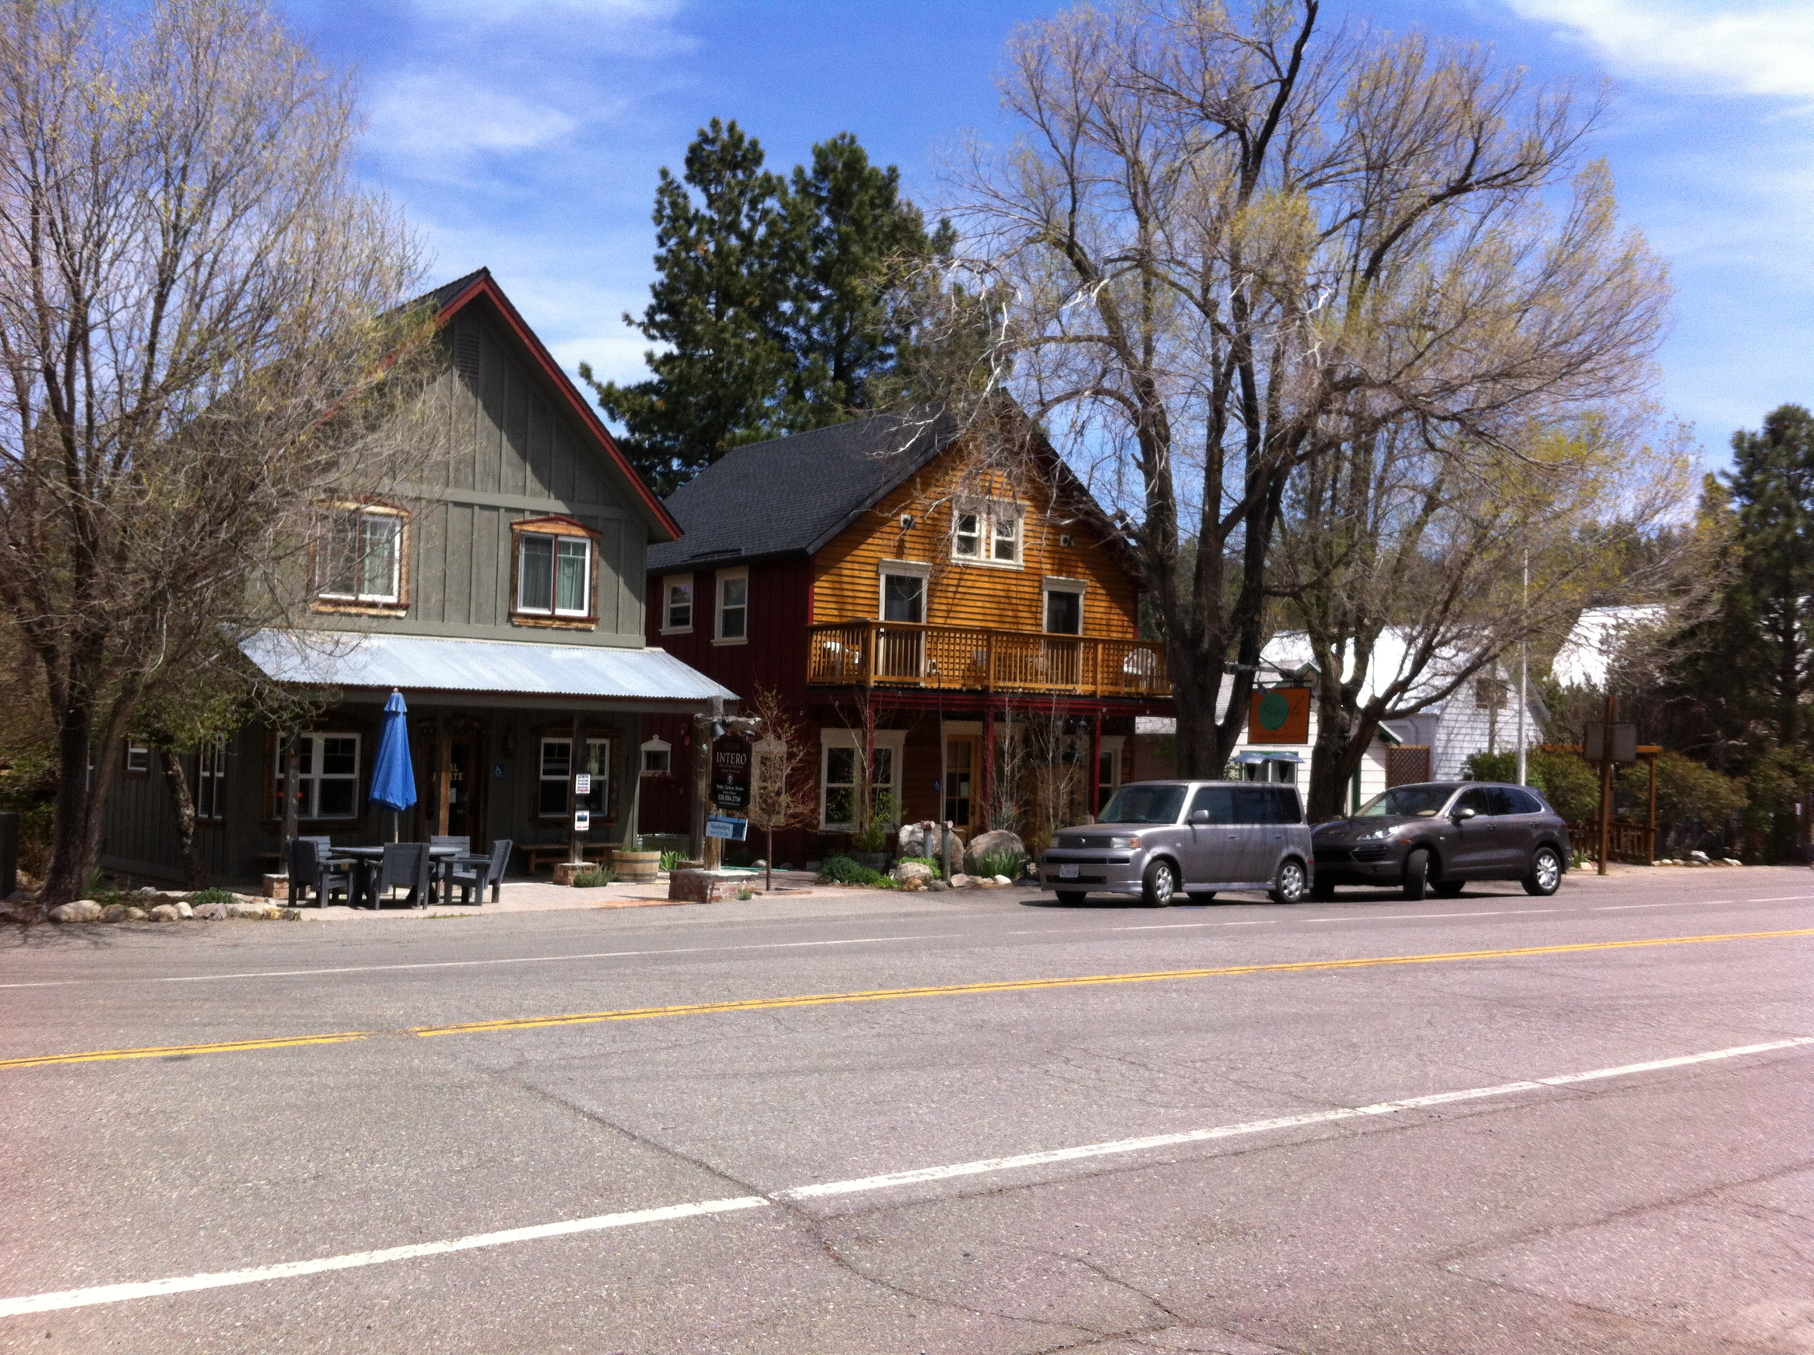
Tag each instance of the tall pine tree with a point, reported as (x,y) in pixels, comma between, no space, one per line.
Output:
(776,302)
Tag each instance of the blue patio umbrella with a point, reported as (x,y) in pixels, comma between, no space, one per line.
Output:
(393,778)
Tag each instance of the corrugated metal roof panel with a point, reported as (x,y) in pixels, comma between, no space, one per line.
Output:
(429,663)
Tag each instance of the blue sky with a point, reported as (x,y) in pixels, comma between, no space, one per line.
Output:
(526,135)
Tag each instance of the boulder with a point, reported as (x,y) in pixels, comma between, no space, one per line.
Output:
(82,910)
(1699,858)
(183,910)
(959,879)
(1733,861)
(936,885)
(912,873)
(211,912)
(1001,880)
(990,843)
(135,914)
(26,912)
(149,891)
(114,912)
(166,912)
(928,839)
(251,910)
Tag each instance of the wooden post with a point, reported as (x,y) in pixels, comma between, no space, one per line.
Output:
(1095,805)
(292,789)
(441,781)
(1653,807)
(575,757)
(1606,765)
(988,764)
(702,778)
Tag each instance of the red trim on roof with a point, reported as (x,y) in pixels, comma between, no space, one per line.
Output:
(485,285)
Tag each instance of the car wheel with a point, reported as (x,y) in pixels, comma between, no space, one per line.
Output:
(1160,885)
(1448,889)
(1290,886)
(1546,873)
(1070,898)
(1203,896)
(1417,874)
(1321,892)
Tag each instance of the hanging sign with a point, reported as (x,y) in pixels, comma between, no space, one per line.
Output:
(731,773)
(1279,716)
(1617,742)
(582,820)
(731,830)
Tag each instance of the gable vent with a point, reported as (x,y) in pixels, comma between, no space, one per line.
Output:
(466,353)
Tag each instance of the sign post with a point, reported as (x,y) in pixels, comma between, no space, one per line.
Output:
(1609,743)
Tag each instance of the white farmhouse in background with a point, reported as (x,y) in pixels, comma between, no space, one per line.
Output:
(1598,635)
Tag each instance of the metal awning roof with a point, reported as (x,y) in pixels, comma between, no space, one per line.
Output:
(425,663)
(1250,755)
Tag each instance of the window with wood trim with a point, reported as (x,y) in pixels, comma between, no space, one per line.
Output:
(211,782)
(138,758)
(733,627)
(988,532)
(555,566)
(557,772)
(361,551)
(327,777)
(677,604)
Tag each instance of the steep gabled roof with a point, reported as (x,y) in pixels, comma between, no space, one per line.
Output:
(791,496)
(451,298)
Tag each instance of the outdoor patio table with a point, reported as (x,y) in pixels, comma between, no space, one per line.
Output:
(367,860)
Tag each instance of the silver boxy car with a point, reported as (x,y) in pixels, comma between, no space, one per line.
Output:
(1159,839)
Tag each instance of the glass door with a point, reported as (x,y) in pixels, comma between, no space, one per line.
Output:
(961,757)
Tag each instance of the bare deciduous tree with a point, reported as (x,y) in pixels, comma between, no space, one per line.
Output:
(1233,244)
(1404,558)
(196,312)
(783,792)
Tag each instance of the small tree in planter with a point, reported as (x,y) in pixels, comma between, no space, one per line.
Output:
(781,789)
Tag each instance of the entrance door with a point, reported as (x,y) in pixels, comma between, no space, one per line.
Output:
(463,786)
(963,771)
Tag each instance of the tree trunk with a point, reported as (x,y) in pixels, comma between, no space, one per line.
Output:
(195,868)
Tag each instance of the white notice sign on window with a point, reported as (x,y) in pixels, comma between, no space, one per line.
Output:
(582,783)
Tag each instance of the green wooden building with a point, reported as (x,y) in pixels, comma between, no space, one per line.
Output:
(500,590)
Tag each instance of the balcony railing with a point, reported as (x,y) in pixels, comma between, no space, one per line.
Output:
(963,658)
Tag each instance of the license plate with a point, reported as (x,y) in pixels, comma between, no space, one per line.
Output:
(1067,872)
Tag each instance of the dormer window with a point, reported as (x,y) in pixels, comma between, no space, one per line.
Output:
(987,533)
(555,559)
(360,552)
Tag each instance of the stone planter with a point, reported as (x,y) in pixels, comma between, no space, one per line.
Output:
(564,871)
(636,867)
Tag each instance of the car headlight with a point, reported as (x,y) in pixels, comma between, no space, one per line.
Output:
(1124,844)
(1378,835)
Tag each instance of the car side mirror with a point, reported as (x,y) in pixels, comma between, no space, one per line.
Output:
(1198,816)
(1464,813)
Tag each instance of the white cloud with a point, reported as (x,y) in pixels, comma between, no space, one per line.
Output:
(435,125)
(1735,48)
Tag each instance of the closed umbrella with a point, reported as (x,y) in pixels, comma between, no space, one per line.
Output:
(393,778)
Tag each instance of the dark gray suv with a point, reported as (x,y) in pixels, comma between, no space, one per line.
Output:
(1438,835)
(1160,839)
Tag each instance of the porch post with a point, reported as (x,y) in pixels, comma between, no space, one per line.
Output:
(1095,806)
(292,789)
(988,763)
(439,783)
(576,756)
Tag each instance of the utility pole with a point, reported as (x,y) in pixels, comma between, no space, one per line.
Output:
(1524,671)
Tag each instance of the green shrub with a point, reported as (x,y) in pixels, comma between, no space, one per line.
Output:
(594,877)
(672,860)
(1010,863)
(1568,782)
(212,894)
(878,833)
(1490,767)
(841,870)
(931,861)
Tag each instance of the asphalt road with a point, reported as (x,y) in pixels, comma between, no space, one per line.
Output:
(931,1123)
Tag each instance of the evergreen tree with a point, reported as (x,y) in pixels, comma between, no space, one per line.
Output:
(715,303)
(778,303)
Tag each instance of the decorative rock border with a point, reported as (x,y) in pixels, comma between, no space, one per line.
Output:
(149,905)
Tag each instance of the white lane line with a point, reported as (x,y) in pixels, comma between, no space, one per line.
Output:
(1404,917)
(118,1293)
(1682,903)
(1176,926)
(1781,898)
(468,964)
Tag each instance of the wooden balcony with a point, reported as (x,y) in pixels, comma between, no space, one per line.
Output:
(896,654)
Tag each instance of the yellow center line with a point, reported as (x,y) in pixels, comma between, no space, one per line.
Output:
(887,995)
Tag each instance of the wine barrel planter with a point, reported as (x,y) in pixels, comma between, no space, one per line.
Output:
(636,867)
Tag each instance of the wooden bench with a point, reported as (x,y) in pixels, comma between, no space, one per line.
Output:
(537,854)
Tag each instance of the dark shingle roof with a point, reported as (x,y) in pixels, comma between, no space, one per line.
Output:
(792,495)
(443,296)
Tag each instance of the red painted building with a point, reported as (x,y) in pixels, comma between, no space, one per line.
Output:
(955,629)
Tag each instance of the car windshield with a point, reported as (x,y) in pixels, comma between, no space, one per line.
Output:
(1144,804)
(1407,802)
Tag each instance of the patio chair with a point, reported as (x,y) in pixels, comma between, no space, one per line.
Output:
(439,865)
(475,872)
(309,871)
(404,863)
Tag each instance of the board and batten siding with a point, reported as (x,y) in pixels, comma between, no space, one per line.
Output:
(511,453)
(846,583)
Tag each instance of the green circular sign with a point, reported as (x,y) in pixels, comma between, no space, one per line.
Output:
(1275,709)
